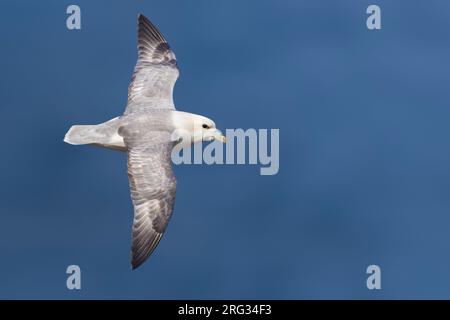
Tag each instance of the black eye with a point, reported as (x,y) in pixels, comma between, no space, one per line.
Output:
(205,126)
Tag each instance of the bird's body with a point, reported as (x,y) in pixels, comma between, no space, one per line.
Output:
(148,130)
(107,134)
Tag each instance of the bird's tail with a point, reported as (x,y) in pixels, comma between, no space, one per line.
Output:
(81,134)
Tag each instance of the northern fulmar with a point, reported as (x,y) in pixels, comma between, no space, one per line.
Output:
(148,131)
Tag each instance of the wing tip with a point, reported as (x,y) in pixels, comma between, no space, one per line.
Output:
(141,17)
(145,26)
(136,263)
(137,258)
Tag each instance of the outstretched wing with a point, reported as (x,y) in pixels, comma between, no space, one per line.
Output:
(153,187)
(155,72)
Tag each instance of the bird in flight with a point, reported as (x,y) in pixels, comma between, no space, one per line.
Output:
(148,131)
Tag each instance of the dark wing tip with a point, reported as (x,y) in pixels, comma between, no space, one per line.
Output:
(147,29)
(142,250)
(136,263)
(143,18)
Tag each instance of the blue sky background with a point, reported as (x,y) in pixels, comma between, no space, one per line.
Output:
(364,151)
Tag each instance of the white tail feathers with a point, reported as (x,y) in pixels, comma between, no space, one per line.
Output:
(103,135)
(81,134)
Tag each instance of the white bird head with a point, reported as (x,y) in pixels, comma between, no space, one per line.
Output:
(205,130)
(196,128)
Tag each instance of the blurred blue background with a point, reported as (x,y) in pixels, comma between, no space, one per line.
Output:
(364,153)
